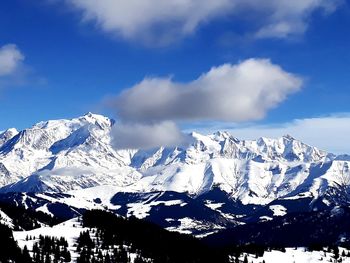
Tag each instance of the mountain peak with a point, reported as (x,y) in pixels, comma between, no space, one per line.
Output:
(288,137)
(222,135)
(9,131)
(97,119)
(92,115)
(7,135)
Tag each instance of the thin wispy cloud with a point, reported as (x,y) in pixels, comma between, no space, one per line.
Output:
(287,18)
(162,22)
(330,133)
(10,59)
(12,69)
(242,92)
(14,72)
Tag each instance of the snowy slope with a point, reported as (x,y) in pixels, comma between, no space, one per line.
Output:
(70,230)
(171,210)
(6,220)
(297,255)
(7,135)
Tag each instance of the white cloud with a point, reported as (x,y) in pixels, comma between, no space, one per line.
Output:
(330,133)
(10,59)
(287,17)
(241,92)
(14,72)
(146,136)
(164,21)
(151,20)
(281,29)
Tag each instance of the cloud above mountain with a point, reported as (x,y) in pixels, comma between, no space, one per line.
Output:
(146,136)
(14,71)
(166,21)
(233,93)
(10,59)
(241,92)
(329,133)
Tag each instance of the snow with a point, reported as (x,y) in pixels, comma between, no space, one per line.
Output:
(214,206)
(298,196)
(278,210)
(70,230)
(70,201)
(265,218)
(54,150)
(77,157)
(187,225)
(141,210)
(104,193)
(7,135)
(5,219)
(45,210)
(72,155)
(299,255)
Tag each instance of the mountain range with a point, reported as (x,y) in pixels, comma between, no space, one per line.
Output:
(62,167)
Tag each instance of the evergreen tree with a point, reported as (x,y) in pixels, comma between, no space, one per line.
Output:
(47,259)
(336,252)
(66,255)
(26,256)
(139,259)
(107,259)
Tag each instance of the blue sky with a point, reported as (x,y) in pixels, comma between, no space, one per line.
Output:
(76,55)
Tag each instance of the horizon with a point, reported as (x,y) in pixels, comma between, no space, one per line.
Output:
(236,133)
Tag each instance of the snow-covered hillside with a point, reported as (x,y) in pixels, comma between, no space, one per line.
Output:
(296,255)
(70,230)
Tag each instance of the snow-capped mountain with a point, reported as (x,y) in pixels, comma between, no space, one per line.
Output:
(7,135)
(63,155)
(225,177)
